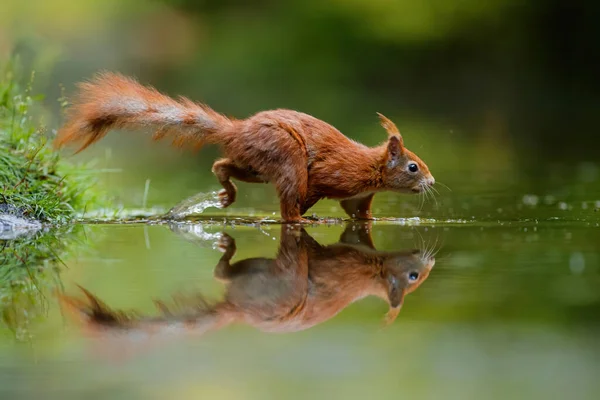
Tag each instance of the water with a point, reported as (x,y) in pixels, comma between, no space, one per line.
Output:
(510,309)
(194,205)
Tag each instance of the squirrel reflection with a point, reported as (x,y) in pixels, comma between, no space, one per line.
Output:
(306,284)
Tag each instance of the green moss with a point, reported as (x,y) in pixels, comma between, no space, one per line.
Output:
(35,183)
(33,177)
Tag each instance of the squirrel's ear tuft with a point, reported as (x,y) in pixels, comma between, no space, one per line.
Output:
(388,125)
(395,142)
(391,315)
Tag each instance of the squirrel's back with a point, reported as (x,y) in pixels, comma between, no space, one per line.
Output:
(315,132)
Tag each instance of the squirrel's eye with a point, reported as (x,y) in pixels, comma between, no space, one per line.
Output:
(413,276)
(413,167)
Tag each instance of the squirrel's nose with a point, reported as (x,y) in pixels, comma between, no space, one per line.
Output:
(430,181)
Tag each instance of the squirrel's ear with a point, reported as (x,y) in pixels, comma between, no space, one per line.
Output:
(388,125)
(395,148)
(395,298)
(394,291)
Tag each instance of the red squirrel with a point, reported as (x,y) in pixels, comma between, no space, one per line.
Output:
(306,158)
(305,285)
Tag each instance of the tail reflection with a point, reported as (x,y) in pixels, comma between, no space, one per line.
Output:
(306,284)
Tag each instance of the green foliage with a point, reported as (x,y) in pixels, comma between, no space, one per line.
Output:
(35,182)
(33,177)
(30,269)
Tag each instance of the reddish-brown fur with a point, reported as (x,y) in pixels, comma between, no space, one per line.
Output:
(305,285)
(306,158)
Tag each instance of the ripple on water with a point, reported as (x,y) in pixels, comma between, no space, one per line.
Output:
(195,205)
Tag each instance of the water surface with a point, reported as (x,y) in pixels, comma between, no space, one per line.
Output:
(510,308)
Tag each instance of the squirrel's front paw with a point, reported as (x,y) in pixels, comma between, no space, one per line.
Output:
(226,198)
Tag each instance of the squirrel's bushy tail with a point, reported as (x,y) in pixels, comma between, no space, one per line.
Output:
(119,335)
(112,100)
(187,316)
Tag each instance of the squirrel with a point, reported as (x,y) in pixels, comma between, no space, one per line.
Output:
(306,158)
(305,285)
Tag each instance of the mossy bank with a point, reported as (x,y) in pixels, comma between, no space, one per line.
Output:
(40,193)
(36,184)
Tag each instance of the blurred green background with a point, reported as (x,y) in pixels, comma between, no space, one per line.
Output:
(494,92)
